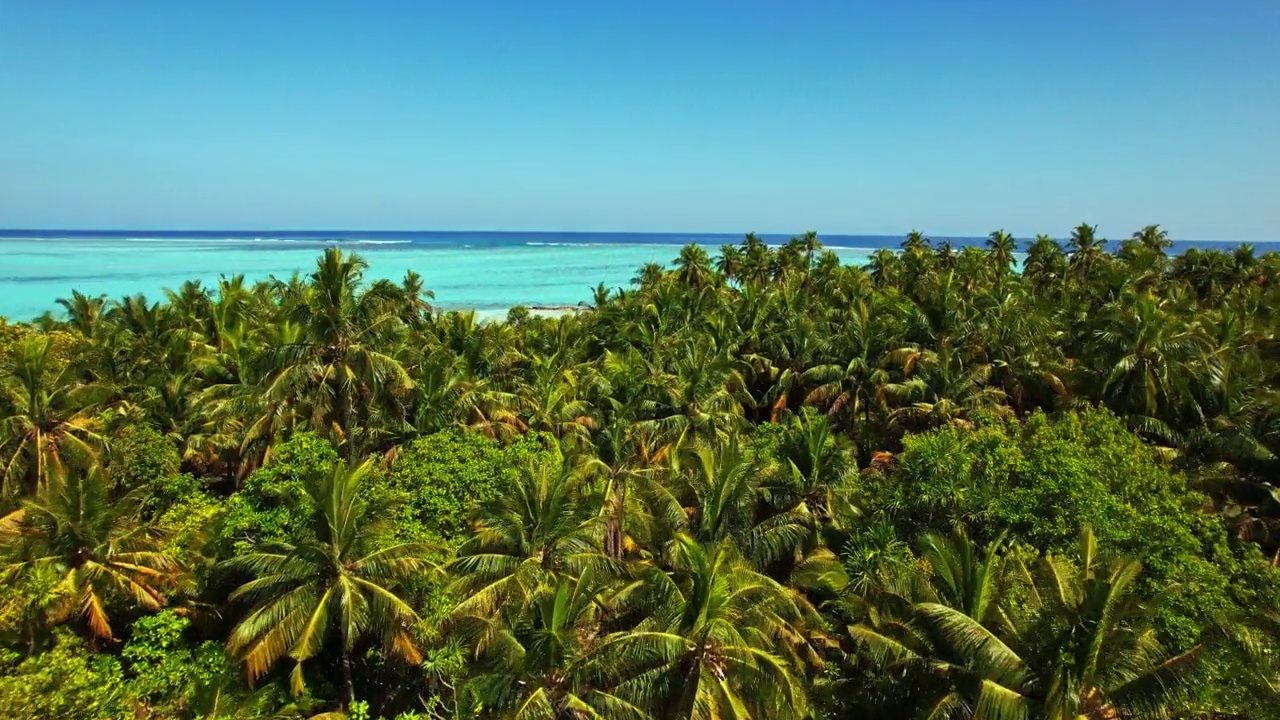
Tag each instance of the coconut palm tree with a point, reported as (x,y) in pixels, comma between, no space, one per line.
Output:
(544,528)
(1087,249)
(939,388)
(715,495)
(554,400)
(809,245)
(1152,359)
(700,397)
(344,583)
(916,242)
(723,641)
(649,275)
(1000,247)
(693,267)
(84,313)
(622,468)
(1046,263)
(1154,239)
(851,390)
(339,366)
(49,421)
(816,469)
(729,262)
(963,651)
(544,663)
(93,546)
(757,260)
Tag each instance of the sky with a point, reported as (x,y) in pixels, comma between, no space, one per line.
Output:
(954,117)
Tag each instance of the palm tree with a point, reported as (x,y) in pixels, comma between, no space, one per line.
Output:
(544,664)
(620,465)
(84,313)
(1017,340)
(1000,247)
(49,420)
(545,528)
(415,300)
(729,262)
(555,402)
(339,365)
(715,496)
(941,389)
(809,244)
(851,390)
(1087,249)
(693,267)
(1248,271)
(649,275)
(1153,238)
(757,260)
(699,398)
(435,402)
(1151,358)
(916,242)
(1078,644)
(93,546)
(341,582)
(1046,263)
(723,641)
(816,467)
(885,267)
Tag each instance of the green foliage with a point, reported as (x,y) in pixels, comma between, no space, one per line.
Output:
(273,505)
(164,668)
(1042,480)
(141,457)
(171,490)
(64,346)
(65,682)
(447,476)
(187,526)
(759,484)
(338,582)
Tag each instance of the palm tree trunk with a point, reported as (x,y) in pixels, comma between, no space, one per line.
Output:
(689,693)
(40,471)
(613,531)
(344,420)
(348,686)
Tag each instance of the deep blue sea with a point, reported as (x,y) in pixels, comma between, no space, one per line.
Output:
(485,271)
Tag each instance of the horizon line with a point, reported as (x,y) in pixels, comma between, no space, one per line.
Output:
(6,233)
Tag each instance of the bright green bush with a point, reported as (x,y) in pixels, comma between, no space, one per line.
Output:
(273,505)
(1043,480)
(164,668)
(142,456)
(68,682)
(444,477)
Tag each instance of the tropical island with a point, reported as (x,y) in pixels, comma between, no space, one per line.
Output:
(994,482)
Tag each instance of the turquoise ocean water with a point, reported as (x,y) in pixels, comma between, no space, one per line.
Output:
(485,271)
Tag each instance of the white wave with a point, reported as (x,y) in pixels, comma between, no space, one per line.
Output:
(579,244)
(149,240)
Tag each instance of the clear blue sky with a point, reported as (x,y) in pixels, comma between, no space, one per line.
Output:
(952,116)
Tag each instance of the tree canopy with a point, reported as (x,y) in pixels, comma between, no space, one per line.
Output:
(1015,480)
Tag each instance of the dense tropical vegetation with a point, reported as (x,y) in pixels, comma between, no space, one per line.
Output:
(953,483)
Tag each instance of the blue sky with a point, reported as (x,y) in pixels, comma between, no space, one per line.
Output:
(952,116)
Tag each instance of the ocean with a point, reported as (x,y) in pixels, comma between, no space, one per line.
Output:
(485,271)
